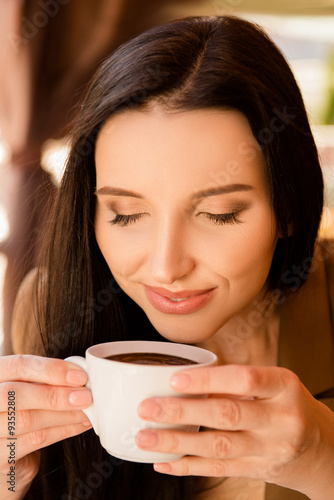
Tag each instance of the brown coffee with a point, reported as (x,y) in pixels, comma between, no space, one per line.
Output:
(151,358)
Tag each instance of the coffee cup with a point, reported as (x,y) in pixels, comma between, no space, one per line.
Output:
(119,385)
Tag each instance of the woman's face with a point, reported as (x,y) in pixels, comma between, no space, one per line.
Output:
(183,216)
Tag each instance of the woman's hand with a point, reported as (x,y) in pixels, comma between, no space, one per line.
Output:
(262,423)
(40,401)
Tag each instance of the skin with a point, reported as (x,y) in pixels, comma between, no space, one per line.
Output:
(262,422)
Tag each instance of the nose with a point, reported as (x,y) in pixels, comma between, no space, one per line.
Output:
(170,256)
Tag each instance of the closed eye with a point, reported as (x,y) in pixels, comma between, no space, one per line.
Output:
(124,220)
(221,219)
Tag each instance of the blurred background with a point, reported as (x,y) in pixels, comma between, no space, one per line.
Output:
(48,51)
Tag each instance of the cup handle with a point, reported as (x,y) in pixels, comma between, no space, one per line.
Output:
(90,411)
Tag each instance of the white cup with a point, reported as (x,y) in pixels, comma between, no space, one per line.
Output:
(118,388)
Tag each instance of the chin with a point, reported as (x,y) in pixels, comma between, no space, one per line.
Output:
(184,332)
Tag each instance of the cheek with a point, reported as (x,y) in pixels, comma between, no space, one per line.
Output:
(119,251)
(246,253)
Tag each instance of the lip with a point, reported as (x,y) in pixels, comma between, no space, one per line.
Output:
(160,298)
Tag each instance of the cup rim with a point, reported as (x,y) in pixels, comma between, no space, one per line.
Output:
(202,356)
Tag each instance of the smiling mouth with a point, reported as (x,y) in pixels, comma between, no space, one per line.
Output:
(182,302)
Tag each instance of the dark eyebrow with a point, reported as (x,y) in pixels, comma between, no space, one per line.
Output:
(230,188)
(107,190)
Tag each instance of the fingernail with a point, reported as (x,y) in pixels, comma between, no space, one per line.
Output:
(164,468)
(150,409)
(76,377)
(180,381)
(87,423)
(80,398)
(147,438)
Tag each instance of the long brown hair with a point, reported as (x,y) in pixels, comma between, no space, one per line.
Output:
(194,63)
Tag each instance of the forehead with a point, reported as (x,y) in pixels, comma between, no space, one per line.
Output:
(209,146)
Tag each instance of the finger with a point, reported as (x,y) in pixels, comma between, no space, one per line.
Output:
(35,440)
(217,413)
(209,444)
(32,420)
(197,466)
(241,380)
(43,397)
(42,370)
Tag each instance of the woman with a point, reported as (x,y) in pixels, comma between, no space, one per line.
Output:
(189,211)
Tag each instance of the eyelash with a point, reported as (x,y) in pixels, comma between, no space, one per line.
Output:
(219,219)
(125,220)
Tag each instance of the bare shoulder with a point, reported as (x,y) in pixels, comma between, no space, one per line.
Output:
(25,328)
